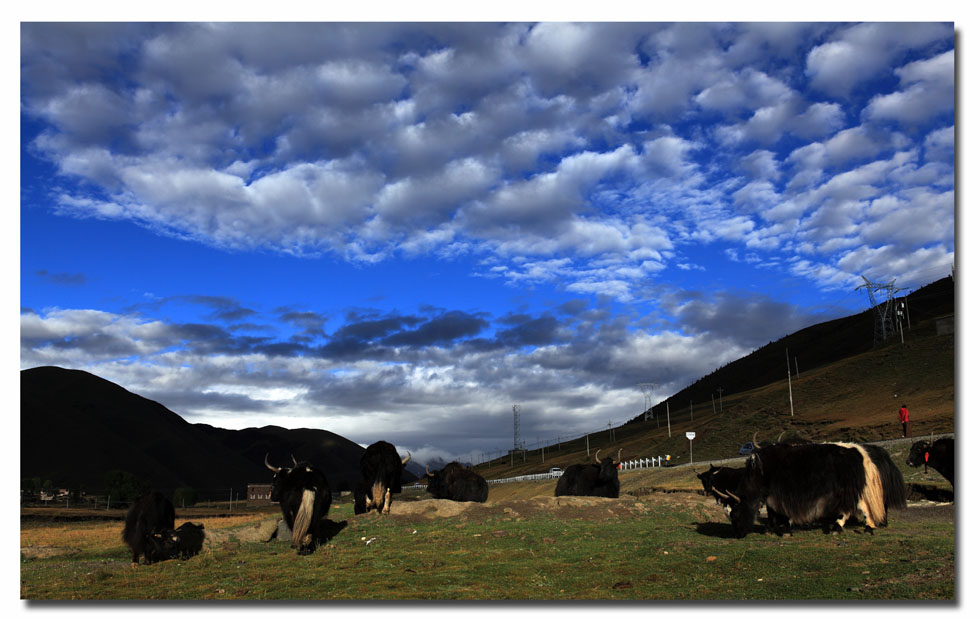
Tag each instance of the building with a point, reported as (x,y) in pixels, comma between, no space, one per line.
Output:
(258,495)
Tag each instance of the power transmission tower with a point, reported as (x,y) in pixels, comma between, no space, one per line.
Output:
(884,322)
(647,399)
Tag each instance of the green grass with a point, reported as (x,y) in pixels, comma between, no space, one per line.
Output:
(663,551)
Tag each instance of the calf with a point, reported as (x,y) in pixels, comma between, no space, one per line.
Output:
(190,539)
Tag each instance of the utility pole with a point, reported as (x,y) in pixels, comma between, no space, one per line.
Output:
(713,403)
(668,417)
(789,378)
(721,404)
(517,427)
(901,313)
(797,368)
(692,411)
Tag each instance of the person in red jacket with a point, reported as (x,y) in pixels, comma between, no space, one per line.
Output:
(903,417)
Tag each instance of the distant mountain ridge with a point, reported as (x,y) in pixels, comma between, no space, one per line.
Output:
(76,426)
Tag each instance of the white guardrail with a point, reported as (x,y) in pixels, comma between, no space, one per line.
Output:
(632,464)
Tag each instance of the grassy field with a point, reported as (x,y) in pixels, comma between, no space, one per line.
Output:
(522,545)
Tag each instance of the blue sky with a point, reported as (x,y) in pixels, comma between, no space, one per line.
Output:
(398,231)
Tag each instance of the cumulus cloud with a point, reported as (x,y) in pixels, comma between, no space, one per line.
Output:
(928,92)
(860,52)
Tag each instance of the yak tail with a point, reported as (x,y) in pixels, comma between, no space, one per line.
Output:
(873,493)
(303,518)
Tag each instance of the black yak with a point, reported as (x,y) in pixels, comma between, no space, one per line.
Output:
(381,469)
(938,454)
(598,479)
(303,494)
(454,482)
(190,539)
(150,515)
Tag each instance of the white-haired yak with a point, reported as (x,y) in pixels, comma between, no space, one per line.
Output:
(809,483)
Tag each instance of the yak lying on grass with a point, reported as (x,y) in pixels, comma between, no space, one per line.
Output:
(598,479)
(455,482)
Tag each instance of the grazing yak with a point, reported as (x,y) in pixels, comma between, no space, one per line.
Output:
(146,522)
(938,454)
(454,482)
(807,484)
(303,494)
(381,469)
(598,479)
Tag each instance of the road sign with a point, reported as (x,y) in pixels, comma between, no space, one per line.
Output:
(690,435)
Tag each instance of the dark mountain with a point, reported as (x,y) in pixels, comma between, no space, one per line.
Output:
(822,343)
(76,426)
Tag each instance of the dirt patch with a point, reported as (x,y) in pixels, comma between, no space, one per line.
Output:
(251,533)
(564,507)
(46,551)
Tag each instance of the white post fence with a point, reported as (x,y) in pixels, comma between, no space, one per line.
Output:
(633,464)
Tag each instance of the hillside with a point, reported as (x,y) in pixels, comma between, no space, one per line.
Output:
(852,397)
(812,347)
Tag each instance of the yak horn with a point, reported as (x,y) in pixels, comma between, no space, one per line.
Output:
(597,455)
(270,466)
(754,443)
(726,494)
(619,456)
(405,461)
(780,437)
(427,473)
(294,460)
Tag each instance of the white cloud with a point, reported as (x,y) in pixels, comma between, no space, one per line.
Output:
(929,92)
(860,52)
(761,164)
